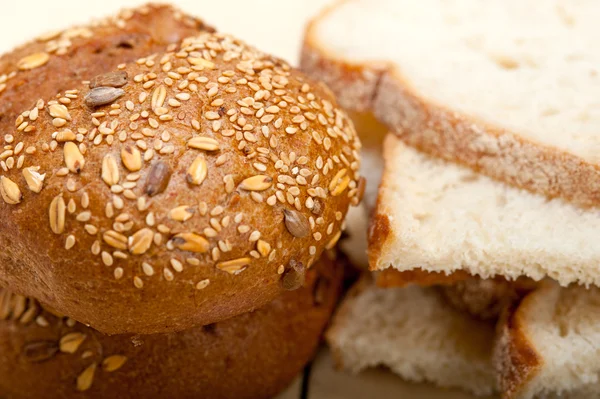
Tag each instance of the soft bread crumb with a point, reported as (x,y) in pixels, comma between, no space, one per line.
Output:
(411,331)
(443,217)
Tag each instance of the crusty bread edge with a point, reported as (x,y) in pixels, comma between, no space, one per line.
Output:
(392,278)
(354,84)
(432,128)
(515,359)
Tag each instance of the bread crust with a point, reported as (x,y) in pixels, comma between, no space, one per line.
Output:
(390,278)
(200,189)
(254,355)
(515,358)
(442,132)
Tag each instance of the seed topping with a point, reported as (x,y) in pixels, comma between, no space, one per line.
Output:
(296,223)
(111,79)
(11,194)
(102,96)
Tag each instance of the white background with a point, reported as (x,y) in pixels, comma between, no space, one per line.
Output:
(275,26)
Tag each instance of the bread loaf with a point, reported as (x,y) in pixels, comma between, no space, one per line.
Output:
(192,185)
(254,355)
(478,83)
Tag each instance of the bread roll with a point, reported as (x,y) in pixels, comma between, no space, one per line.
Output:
(182,189)
(254,355)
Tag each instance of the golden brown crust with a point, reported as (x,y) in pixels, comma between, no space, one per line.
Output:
(65,58)
(353,84)
(390,278)
(515,358)
(254,355)
(181,198)
(379,231)
(444,133)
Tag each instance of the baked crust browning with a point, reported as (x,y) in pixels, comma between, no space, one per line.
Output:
(186,189)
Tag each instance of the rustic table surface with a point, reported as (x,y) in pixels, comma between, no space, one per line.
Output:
(281,34)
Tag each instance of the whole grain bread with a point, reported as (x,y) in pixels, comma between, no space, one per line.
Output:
(194,184)
(451,80)
(254,355)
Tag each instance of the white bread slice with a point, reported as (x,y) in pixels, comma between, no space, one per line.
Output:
(442,217)
(415,334)
(506,87)
(550,345)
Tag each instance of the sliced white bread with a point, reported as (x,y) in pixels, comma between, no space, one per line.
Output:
(550,345)
(415,334)
(506,87)
(441,217)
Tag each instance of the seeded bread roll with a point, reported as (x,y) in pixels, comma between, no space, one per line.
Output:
(182,189)
(58,60)
(254,355)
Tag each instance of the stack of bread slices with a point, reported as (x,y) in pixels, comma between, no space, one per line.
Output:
(484,233)
(170,200)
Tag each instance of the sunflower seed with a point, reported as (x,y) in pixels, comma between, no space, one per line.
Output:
(113,363)
(71,342)
(197,171)
(33,61)
(191,242)
(158,179)
(234,266)
(115,240)
(203,143)
(132,158)
(73,158)
(296,223)
(111,79)
(102,95)
(257,183)
(85,379)
(202,284)
(57,213)
(110,170)
(39,351)
(11,194)
(181,213)
(141,241)
(294,277)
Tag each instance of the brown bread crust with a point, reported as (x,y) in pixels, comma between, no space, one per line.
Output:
(390,278)
(515,359)
(254,355)
(199,190)
(435,129)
